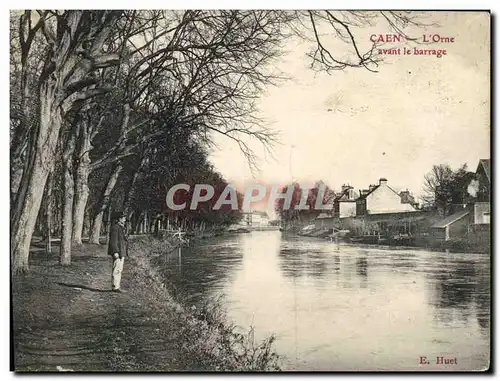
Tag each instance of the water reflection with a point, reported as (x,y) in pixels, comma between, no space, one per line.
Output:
(303,261)
(404,263)
(336,261)
(362,270)
(459,290)
(192,270)
(341,307)
(483,308)
(362,267)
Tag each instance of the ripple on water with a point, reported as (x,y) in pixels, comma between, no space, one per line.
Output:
(343,307)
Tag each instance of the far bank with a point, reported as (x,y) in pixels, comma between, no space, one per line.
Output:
(457,232)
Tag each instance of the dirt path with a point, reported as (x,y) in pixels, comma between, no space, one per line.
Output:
(67,317)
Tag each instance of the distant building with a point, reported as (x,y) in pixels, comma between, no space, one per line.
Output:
(381,198)
(344,204)
(473,217)
(256,218)
(454,226)
(483,194)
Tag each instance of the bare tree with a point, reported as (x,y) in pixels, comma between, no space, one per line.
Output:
(74,49)
(108,86)
(444,187)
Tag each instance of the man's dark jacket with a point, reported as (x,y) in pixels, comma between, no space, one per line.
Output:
(117,241)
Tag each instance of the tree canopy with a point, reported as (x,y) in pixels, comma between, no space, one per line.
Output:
(108,106)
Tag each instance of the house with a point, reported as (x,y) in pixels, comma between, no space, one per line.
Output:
(482,191)
(473,217)
(483,176)
(381,198)
(344,204)
(255,218)
(454,226)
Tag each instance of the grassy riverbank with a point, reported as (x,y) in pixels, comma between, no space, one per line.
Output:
(67,318)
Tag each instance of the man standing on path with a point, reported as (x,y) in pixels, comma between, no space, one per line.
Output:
(117,249)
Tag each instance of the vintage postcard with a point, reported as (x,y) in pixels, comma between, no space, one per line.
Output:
(250,190)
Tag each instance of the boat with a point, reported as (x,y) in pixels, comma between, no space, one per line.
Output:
(338,234)
(369,239)
(306,230)
(403,239)
(239,230)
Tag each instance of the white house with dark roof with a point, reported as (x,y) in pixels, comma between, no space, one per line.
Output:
(344,204)
(382,198)
(255,218)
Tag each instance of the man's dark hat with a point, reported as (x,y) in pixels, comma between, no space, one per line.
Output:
(115,216)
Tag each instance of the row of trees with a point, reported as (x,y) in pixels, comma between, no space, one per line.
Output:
(109,107)
(303,204)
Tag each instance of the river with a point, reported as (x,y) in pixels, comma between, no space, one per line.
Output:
(339,307)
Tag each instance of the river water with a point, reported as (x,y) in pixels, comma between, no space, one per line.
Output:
(339,307)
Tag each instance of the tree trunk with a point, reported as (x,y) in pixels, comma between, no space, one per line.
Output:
(16,173)
(86,224)
(47,214)
(67,222)
(104,203)
(60,65)
(48,245)
(68,199)
(95,232)
(129,195)
(82,172)
(40,164)
(97,221)
(156,225)
(136,223)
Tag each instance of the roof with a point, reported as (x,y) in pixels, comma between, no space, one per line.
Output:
(368,193)
(485,163)
(450,219)
(399,194)
(341,194)
(375,188)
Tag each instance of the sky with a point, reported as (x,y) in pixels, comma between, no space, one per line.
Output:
(355,126)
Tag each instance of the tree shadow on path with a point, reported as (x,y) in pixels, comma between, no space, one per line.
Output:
(83,287)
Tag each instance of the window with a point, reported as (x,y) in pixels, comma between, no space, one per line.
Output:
(486,217)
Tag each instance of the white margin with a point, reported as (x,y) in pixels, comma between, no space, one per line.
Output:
(145,4)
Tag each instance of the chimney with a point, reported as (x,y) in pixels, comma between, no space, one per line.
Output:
(363,192)
(405,196)
(382,181)
(350,194)
(371,187)
(345,187)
